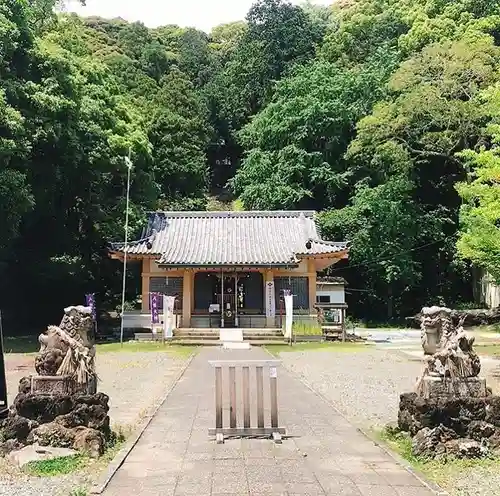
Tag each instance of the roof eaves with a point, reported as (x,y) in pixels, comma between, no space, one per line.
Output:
(235,213)
(333,281)
(226,265)
(119,246)
(337,247)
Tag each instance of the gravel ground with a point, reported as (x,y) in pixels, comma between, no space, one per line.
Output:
(365,387)
(135,383)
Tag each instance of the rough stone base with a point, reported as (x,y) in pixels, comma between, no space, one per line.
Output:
(76,421)
(464,427)
(439,387)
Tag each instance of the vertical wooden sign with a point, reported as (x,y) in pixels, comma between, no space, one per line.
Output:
(3,380)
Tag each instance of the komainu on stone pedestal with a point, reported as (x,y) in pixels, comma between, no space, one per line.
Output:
(451,412)
(449,351)
(69,350)
(60,407)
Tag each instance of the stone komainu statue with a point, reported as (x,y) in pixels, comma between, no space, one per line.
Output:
(449,351)
(451,413)
(436,328)
(69,349)
(60,407)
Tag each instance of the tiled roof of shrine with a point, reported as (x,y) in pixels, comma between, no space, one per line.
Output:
(250,238)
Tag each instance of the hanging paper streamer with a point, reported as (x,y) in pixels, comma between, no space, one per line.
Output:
(288,313)
(90,302)
(168,316)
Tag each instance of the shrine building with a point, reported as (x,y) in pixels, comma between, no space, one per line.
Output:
(230,269)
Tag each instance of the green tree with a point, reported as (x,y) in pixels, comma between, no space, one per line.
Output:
(480,214)
(179,135)
(62,146)
(278,37)
(296,145)
(434,112)
(224,39)
(383,229)
(364,26)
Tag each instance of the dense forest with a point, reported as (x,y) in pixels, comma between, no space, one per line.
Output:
(382,115)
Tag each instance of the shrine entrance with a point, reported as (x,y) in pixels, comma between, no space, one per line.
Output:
(229,299)
(227,295)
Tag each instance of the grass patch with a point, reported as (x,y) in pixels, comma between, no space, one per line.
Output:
(57,466)
(400,442)
(78,463)
(449,473)
(79,491)
(147,346)
(30,344)
(493,329)
(276,349)
(21,344)
(305,329)
(492,350)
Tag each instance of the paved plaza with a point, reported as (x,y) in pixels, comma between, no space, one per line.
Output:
(323,454)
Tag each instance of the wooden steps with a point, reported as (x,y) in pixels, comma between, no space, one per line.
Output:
(206,342)
(210,337)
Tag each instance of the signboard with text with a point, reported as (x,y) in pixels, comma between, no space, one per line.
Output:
(155,316)
(270,299)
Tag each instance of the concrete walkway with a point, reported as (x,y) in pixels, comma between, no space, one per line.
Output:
(325,454)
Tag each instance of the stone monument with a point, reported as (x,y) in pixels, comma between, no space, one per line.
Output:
(59,406)
(451,412)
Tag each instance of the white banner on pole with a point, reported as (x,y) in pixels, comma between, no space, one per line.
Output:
(288,315)
(168,316)
(270,299)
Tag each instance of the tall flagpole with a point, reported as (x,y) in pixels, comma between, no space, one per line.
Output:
(128,162)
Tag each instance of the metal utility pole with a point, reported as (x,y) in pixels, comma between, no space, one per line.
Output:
(128,162)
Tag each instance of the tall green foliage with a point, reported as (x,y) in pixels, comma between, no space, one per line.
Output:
(370,133)
(278,37)
(480,214)
(381,114)
(296,146)
(68,119)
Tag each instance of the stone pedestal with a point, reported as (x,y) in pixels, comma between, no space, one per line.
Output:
(439,387)
(58,384)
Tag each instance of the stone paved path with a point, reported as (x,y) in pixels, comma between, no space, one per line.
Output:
(324,455)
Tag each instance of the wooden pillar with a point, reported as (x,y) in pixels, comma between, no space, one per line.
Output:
(145,285)
(187,290)
(269,303)
(312,286)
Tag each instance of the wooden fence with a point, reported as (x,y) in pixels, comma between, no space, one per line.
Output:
(250,369)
